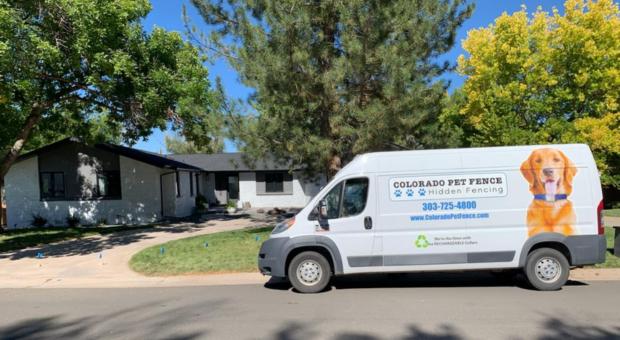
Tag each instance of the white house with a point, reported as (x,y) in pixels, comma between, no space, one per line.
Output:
(263,183)
(113,184)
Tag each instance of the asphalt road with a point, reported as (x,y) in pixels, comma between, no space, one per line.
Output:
(420,306)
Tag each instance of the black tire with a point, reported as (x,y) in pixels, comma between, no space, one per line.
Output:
(308,264)
(550,263)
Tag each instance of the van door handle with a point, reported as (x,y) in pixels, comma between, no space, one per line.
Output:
(367,222)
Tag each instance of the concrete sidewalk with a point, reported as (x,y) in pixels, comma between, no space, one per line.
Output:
(611,221)
(103,261)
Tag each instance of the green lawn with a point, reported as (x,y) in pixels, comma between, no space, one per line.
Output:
(612,212)
(24,238)
(612,261)
(230,251)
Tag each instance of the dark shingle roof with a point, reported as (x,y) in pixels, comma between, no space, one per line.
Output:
(235,161)
(147,157)
(139,155)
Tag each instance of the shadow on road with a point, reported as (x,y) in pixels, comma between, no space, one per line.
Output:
(556,329)
(137,322)
(421,280)
(210,318)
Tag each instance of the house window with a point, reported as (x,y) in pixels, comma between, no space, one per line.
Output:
(178,182)
(274,182)
(198,184)
(191,184)
(108,184)
(52,185)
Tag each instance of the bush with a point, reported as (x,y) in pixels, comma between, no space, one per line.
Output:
(201,201)
(38,221)
(72,220)
(231,204)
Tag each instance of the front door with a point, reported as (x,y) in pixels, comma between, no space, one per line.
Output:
(233,186)
(350,216)
(226,186)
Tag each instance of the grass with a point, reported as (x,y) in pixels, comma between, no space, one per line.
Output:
(25,238)
(230,251)
(612,212)
(611,261)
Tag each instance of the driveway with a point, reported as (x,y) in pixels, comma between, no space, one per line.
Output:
(102,261)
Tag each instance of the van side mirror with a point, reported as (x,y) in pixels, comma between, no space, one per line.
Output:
(322,214)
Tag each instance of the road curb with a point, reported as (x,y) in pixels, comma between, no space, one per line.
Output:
(595,274)
(227,279)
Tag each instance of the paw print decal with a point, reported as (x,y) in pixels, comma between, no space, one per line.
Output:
(409,192)
(422,192)
(398,193)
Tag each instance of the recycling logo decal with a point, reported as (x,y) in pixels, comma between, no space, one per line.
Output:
(422,242)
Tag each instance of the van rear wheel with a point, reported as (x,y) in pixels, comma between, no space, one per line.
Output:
(309,272)
(547,269)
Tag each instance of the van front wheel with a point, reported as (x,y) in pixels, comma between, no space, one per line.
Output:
(547,269)
(309,272)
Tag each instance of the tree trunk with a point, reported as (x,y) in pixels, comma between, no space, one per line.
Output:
(330,101)
(13,153)
(2,221)
(22,138)
(335,164)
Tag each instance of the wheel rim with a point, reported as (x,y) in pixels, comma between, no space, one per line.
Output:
(309,272)
(548,269)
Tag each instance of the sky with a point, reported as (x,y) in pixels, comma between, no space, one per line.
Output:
(168,14)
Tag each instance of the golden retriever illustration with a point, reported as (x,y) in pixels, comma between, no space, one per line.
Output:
(550,174)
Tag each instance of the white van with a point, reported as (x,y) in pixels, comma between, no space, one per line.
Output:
(531,207)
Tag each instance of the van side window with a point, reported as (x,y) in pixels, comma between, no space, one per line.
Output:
(354,197)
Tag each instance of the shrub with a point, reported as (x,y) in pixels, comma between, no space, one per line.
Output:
(38,221)
(231,204)
(200,201)
(72,220)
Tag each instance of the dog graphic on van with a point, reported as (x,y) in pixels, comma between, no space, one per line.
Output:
(550,175)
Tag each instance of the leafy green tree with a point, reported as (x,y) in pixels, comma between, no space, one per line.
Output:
(177,144)
(65,63)
(335,78)
(545,78)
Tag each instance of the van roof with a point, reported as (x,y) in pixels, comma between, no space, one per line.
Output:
(473,149)
(469,158)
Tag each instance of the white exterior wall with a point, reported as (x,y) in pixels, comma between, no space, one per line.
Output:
(140,201)
(169,188)
(303,191)
(184,204)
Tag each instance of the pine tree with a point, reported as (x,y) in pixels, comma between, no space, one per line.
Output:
(336,78)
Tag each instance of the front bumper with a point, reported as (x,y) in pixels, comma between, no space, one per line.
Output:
(271,257)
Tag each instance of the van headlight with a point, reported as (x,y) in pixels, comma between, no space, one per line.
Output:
(283,226)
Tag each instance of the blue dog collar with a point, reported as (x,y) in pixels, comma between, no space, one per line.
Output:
(543,197)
